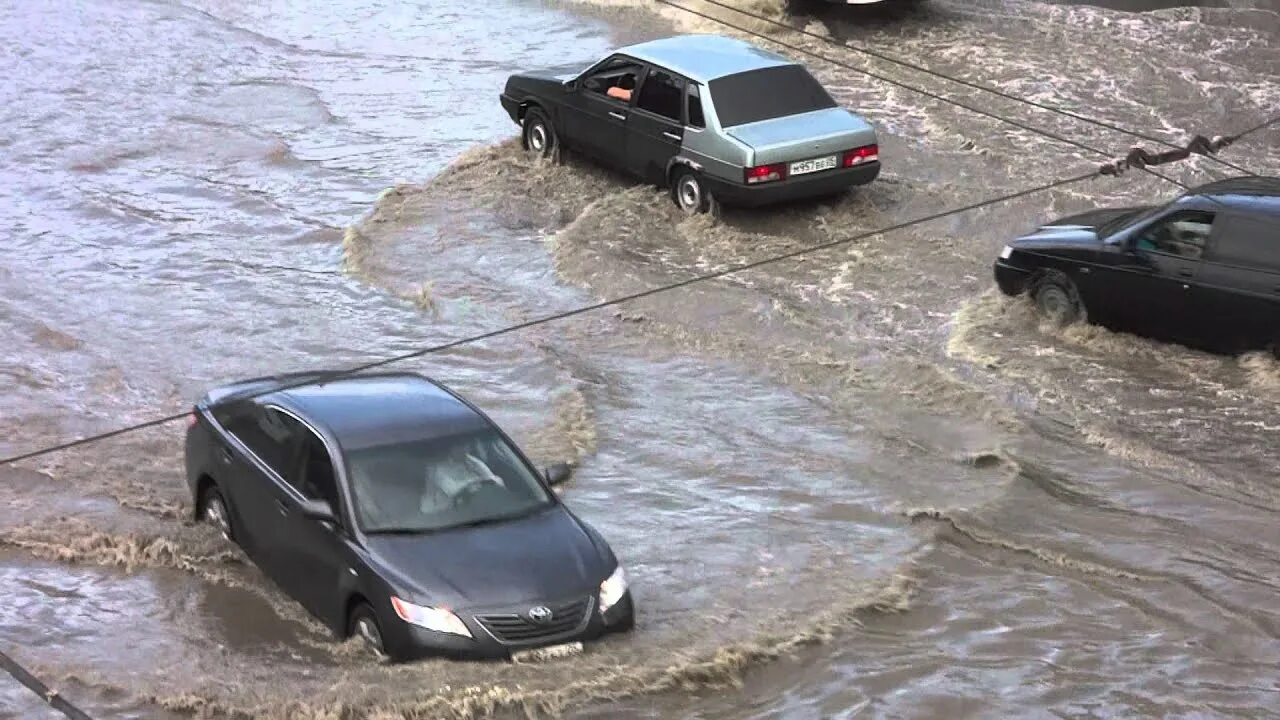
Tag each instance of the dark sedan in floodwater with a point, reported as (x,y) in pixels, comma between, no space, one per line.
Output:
(1202,270)
(396,511)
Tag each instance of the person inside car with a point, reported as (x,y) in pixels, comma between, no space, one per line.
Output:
(622,91)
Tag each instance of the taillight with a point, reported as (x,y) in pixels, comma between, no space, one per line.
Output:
(192,419)
(765,173)
(865,154)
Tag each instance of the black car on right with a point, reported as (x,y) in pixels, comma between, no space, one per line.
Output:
(1202,270)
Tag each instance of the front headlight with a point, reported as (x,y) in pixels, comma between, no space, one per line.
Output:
(438,619)
(612,589)
(1006,252)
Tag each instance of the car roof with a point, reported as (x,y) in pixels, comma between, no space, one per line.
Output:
(703,58)
(1252,193)
(366,410)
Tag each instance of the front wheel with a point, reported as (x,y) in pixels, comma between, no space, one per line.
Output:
(689,192)
(539,137)
(1057,298)
(364,625)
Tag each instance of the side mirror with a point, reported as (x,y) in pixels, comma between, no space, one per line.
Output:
(570,85)
(557,473)
(591,84)
(319,510)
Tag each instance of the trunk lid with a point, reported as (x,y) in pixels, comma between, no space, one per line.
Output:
(804,136)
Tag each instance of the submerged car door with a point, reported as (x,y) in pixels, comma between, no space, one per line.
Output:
(595,112)
(317,557)
(655,128)
(1240,283)
(1161,294)
(255,453)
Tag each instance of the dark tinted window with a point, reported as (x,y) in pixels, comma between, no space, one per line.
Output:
(1182,234)
(661,94)
(267,433)
(767,93)
(616,79)
(695,108)
(1248,242)
(315,477)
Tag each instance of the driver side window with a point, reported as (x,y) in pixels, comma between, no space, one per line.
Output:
(617,79)
(1183,235)
(314,476)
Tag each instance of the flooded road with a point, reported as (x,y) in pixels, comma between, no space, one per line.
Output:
(859,484)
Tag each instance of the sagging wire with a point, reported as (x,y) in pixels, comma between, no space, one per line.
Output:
(898,83)
(960,81)
(327,376)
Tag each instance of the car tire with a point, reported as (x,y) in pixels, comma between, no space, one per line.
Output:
(538,136)
(1057,299)
(689,192)
(627,624)
(215,511)
(363,624)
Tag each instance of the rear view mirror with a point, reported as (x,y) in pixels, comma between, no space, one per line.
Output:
(319,510)
(557,473)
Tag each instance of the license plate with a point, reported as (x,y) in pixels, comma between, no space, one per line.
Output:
(550,652)
(811,166)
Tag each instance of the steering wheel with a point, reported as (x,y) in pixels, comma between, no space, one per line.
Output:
(470,490)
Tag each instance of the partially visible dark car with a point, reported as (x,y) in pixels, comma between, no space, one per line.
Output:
(394,510)
(706,116)
(1202,270)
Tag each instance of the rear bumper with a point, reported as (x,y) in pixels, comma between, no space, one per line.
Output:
(794,188)
(1011,280)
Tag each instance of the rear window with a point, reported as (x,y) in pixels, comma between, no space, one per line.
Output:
(767,93)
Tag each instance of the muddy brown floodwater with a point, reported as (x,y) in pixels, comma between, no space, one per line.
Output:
(859,484)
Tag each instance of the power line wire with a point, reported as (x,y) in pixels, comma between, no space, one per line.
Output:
(327,376)
(35,685)
(961,81)
(322,377)
(904,86)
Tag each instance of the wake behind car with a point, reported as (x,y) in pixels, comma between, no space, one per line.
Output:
(1202,270)
(706,116)
(396,511)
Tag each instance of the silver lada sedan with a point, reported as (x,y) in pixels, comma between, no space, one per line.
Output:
(710,117)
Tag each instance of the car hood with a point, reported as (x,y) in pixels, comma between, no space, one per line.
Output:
(803,136)
(1079,229)
(547,555)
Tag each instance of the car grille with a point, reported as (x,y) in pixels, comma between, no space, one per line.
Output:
(519,629)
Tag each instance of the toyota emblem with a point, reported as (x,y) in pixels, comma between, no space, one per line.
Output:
(540,614)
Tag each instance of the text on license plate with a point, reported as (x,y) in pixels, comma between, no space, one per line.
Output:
(814,165)
(550,652)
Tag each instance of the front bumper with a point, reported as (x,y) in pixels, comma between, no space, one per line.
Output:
(488,640)
(1011,279)
(511,105)
(793,188)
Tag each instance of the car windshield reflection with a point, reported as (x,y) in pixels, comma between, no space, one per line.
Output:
(425,486)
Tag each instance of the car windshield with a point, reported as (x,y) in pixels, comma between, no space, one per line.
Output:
(767,93)
(429,485)
(1116,224)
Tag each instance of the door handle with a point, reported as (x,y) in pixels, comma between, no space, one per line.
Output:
(617,115)
(281,507)
(1184,272)
(672,136)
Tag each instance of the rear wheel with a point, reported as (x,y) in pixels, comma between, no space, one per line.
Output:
(364,625)
(213,510)
(689,192)
(539,137)
(1058,300)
